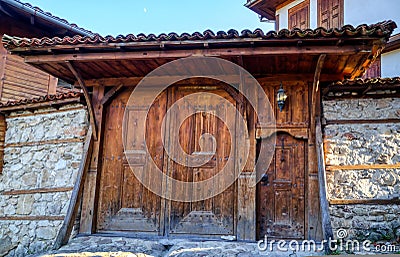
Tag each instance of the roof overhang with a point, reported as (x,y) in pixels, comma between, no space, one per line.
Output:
(277,55)
(49,24)
(266,8)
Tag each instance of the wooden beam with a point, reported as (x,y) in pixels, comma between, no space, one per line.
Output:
(326,219)
(90,190)
(87,97)
(222,52)
(52,86)
(38,191)
(375,121)
(39,105)
(133,81)
(363,167)
(32,217)
(47,142)
(366,62)
(110,94)
(395,200)
(65,230)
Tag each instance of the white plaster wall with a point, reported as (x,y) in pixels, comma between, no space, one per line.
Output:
(283,14)
(371,11)
(391,64)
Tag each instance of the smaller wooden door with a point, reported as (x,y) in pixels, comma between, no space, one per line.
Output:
(280,194)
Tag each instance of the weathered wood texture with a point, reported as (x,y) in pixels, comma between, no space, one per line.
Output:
(91,187)
(126,205)
(74,203)
(395,200)
(363,167)
(326,219)
(281,192)
(38,191)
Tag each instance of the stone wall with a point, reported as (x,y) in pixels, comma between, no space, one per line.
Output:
(365,143)
(41,159)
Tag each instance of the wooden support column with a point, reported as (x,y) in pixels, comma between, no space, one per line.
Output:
(314,228)
(69,220)
(87,97)
(326,218)
(88,213)
(246,204)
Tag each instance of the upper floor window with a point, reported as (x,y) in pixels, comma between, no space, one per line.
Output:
(330,13)
(299,16)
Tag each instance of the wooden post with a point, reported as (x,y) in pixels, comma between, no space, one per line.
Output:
(88,215)
(52,85)
(326,219)
(66,228)
(314,226)
(246,203)
(87,97)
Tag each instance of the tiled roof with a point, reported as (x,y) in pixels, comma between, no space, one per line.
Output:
(382,29)
(372,81)
(72,25)
(41,99)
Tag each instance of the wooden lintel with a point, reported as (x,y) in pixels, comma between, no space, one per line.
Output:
(66,228)
(299,133)
(395,200)
(222,52)
(87,97)
(363,167)
(133,81)
(39,105)
(38,191)
(110,94)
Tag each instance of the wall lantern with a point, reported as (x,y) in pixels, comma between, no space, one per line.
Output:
(281,97)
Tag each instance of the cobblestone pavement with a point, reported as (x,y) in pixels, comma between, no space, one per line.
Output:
(96,246)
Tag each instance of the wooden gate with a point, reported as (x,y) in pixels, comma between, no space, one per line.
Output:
(126,205)
(280,203)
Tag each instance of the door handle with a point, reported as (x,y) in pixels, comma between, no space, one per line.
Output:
(264,179)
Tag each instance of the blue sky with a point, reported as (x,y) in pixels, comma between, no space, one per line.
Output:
(154,16)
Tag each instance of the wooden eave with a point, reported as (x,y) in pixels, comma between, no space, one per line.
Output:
(346,57)
(267,8)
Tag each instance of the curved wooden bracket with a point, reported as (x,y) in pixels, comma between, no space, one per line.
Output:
(81,82)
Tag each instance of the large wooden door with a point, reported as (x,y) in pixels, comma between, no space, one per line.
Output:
(213,216)
(126,205)
(280,196)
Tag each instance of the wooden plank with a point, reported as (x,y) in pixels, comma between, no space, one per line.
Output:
(110,94)
(90,193)
(38,191)
(395,200)
(368,121)
(32,217)
(363,167)
(87,98)
(326,219)
(316,91)
(141,55)
(15,115)
(3,58)
(38,105)
(47,142)
(52,86)
(65,230)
